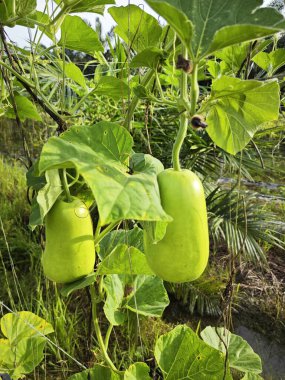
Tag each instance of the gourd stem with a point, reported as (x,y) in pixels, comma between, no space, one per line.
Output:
(74,179)
(62,174)
(98,332)
(183,119)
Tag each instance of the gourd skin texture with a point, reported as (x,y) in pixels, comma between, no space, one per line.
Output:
(69,253)
(183,252)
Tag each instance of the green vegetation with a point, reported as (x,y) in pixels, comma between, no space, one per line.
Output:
(145,150)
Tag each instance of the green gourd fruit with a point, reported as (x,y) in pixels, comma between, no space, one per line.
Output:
(69,252)
(182,254)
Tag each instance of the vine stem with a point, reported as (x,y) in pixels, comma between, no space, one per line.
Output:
(107,336)
(98,332)
(183,119)
(109,228)
(62,174)
(194,88)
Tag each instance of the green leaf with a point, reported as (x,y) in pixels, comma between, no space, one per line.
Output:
(270,62)
(149,296)
(25,109)
(99,153)
(25,7)
(112,87)
(6,12)
(114,287)
(237,108)
(142,32)
(240,355)
(252,376)
(18,12)
(67,289)
(181,354)
(27,356)
(73,72)
(98,372)
(141,92)
(93,6)
(24,324)
(33,178)
(155,230)
(137,371)
(132,238)
(5,351)
(145,163)
(233,57)
(205,26)
(77,35)
(149,57)
(124,260)
(46,198)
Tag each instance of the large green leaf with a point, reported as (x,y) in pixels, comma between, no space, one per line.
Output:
(240,355)
(149,57)
(114,286)
(24,324)
(137,371)
(112,87)
(149,296)
(144,295)
(94,6)
(24,357)
(69,288)
(16,10)
(205,26)
(6,11)
(46,198)
(132,238)
(270,62)
(22,351)
(98,372)
(181,354)
(124,260)
(237,108)
(233,56)
(99,153)
(25,109)
(73,72)
(136,27)
(77,35)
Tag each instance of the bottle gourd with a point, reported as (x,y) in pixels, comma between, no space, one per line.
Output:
(69,252)
(183,252)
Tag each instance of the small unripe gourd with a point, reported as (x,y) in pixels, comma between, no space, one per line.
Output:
(182,254)
(69,252)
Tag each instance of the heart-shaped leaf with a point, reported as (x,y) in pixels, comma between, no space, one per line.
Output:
(241,356)
(100,153)
(205,26)
(237,108)
(124,260)
(181,354)
(270,62)
(77,35)
(137,28)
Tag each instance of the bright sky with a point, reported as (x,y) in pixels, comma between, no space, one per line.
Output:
(20,34)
